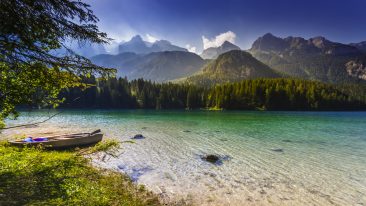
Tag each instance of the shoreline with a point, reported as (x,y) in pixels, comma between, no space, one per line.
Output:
(168,161)
(65,177)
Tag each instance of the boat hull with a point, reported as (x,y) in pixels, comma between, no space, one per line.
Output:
(65,141)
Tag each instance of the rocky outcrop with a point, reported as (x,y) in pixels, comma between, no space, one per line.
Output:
(356,69)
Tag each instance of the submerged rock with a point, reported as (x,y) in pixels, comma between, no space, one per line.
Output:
(138,136)
(211,158)
(277,149)
(215,159)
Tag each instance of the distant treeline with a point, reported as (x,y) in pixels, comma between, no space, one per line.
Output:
(266,94)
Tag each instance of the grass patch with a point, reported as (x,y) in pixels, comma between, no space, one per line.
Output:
(34,176)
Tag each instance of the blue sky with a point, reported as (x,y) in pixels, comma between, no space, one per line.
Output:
(185,22)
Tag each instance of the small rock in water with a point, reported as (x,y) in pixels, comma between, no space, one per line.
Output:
(138,136)
(277,149)
(122,167)
(210,174)
(211,158)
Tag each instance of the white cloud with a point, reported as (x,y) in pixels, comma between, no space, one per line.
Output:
(219,39)
(190,48)
(150,38)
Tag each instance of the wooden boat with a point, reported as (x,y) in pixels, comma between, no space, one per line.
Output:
(64,141)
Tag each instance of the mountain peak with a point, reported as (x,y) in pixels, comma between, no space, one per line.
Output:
(136,38)
(213,52)
(269,42)
(319,41)
(227,44)
(319,38)
(234,65)
(269,35)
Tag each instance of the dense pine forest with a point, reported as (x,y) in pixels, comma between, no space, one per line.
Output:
(258,94)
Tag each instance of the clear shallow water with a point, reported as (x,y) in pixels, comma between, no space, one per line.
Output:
(323,160)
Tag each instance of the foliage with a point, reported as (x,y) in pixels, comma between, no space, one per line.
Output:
(283,94)
(32,83)
(269,94)
(30,29)
(33,176)
(32,35)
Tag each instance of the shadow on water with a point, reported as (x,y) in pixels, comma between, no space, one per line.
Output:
(136,172)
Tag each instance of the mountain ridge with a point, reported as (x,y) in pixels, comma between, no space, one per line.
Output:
(139,46)
(361,46)
(315,58)
(155,66)
(214,52)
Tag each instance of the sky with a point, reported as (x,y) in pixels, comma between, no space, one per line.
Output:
(198,24)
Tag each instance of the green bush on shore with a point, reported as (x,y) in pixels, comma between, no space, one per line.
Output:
(34,176)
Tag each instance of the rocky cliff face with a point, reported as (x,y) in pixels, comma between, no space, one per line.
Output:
(356,69)
(315,58)
(299,45)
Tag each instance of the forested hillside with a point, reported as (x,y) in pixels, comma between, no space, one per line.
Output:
(267,94)
(232,66)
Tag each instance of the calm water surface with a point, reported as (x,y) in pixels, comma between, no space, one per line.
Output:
(322,162)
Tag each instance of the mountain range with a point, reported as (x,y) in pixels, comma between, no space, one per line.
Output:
(156,66)
(139,46)
(270,56)
(315,58)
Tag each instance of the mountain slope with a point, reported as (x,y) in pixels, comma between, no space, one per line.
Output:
(156,66)
(139,46)
(164,45)
(316,58)
(168,65)
(214,52)
(361,46)
(135,45)
(232,66)
(123,62)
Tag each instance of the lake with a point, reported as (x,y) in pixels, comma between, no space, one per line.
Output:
(266,158)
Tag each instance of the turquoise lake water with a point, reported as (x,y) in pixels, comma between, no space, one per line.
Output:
(267,158)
